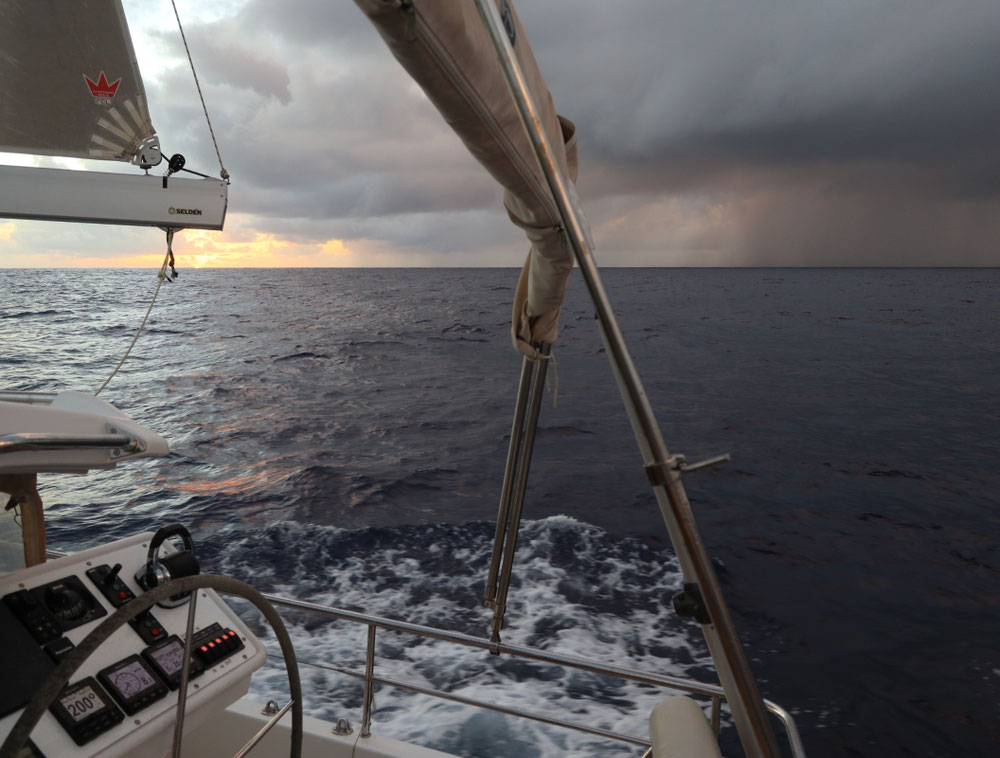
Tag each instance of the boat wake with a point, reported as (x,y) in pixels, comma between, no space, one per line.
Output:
(576,590)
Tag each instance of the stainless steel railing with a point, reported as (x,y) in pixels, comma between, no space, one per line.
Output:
(714,692)
(121,443)
(31,398)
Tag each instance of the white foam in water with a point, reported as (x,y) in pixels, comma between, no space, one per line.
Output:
(576,590)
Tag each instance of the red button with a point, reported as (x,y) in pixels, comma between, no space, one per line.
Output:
(155,632)
(123,595)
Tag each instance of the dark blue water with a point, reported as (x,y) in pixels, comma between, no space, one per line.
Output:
(340,435)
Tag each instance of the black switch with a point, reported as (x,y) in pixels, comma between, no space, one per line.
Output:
(35,617)
(111,585)
(112,576)
(147,627)
(59,649)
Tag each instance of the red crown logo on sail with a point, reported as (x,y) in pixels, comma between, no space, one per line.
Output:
(101,88)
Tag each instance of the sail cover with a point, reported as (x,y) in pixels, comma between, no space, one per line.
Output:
(447,50)
(69,83)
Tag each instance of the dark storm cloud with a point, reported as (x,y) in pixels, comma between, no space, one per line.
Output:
(841,132)
(812,132)
(775,81)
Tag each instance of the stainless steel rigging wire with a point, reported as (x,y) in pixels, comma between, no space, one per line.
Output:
(222,169)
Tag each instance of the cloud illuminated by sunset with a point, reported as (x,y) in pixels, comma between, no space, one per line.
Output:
(205,249)
(819,137)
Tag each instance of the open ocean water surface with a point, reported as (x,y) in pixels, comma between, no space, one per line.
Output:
(339,435)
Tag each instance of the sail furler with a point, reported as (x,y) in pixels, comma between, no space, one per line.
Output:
(69,81)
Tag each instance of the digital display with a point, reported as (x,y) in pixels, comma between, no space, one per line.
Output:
(132,679)
(170,657)
(85,711)
(82,703)
(166,659)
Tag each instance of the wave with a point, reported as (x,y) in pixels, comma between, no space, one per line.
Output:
(576,590)
(564,431)
(32,314)
(827,420)
(297,356)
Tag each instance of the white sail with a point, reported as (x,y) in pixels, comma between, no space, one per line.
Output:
(446,48)
(70,87)
(69,83)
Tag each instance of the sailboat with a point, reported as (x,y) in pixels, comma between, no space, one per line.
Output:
(127,648)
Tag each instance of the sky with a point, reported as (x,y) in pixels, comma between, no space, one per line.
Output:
(711,133)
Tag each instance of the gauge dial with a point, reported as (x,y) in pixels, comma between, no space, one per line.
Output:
(127,684)
(132,684)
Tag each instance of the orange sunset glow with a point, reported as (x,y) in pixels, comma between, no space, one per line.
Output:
(193,248)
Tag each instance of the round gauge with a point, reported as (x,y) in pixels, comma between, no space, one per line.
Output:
(66,602)
(127,683)
(132,684)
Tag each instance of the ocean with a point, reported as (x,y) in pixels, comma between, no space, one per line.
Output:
(339,435)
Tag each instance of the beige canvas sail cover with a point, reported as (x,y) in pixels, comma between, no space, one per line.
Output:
(69,83)
(447,50)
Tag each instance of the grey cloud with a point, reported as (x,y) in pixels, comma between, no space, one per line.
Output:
(842,133)
(433,232)
(877,122)
(849,77)
(352,138)
(233,60)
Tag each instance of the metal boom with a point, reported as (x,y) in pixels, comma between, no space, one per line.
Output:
(52,194)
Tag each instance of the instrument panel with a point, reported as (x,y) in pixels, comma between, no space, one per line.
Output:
(123,699)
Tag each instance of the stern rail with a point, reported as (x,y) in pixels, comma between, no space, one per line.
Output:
(714,692)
